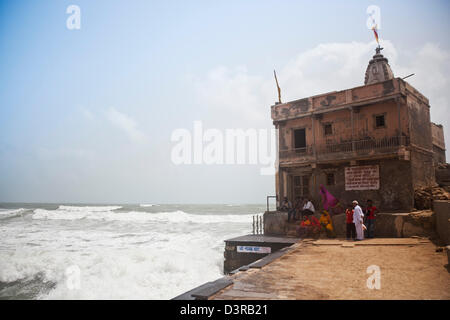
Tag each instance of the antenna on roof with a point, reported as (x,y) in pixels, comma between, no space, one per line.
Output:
(408,76)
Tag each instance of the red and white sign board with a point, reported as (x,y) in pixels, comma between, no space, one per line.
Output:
(362,178)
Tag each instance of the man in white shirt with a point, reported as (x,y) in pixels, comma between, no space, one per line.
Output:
(308,208)
(358,216)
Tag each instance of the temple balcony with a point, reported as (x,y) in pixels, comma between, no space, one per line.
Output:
(350,150)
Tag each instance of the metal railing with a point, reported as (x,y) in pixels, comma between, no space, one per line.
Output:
(276,199)
(363,145)
(258,224)
(297,152)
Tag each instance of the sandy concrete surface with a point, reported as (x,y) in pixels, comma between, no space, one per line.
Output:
(409,269)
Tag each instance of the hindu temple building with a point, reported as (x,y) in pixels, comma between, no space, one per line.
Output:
(375,141)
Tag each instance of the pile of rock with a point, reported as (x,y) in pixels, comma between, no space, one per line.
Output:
(424,196)
(423,218)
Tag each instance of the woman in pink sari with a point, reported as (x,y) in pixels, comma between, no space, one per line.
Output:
(330,203)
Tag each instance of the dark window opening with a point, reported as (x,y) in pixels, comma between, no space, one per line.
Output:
(305,185)
(299,139)
(330,179)
(328,129)
(301,186)
(379,121)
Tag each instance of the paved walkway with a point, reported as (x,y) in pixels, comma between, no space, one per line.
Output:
(337,269)
(371,242)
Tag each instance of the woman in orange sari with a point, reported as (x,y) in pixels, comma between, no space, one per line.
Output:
(327,224)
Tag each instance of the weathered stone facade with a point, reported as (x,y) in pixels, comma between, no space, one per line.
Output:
(384,124)
(437,134)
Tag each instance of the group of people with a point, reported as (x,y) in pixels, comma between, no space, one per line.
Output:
(357,219)
(304,210)
(311,226)
(302,207)
(357,222)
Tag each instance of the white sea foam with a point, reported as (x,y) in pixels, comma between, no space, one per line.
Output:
(89,208)
(11,211)
(112,268)
(149,205)
(75,212)
(150,256)
(137,216)
(159,272)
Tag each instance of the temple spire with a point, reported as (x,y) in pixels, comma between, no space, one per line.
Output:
(378,69)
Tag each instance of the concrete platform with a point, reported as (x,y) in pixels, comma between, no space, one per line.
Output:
(410,268)
(372,242)
(242,251)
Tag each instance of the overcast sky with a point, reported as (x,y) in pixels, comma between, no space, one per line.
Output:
(86,115)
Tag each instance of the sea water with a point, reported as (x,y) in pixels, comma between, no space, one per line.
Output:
(146,251)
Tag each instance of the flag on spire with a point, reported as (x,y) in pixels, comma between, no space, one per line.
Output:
(374,28)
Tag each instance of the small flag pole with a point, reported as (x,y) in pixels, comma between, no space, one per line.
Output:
(278,87)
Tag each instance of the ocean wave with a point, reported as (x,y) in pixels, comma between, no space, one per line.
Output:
(75,212)
(137,216)
(183,217)
(4,214)
(89,208)
(155,271)
(148,205)
(149,256)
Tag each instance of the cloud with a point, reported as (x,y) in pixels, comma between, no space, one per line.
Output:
(237,94)
(232,93)
(63,153)
(327,67)
(87,114)
(127,124)
(245,98)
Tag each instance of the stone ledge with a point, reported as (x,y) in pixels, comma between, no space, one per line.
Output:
(206,290)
